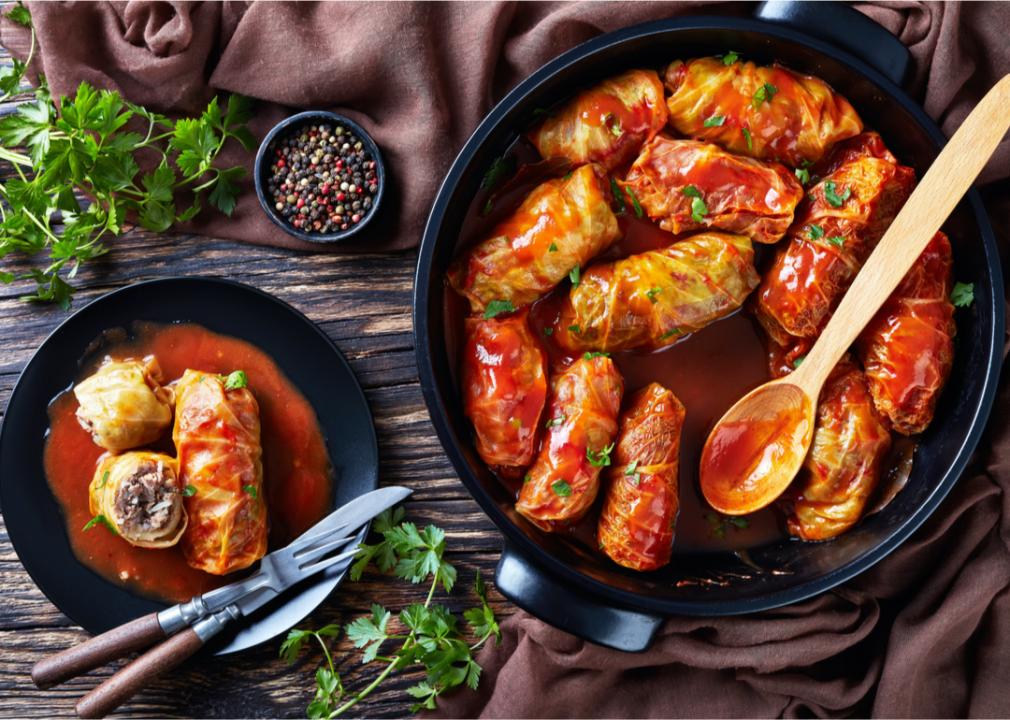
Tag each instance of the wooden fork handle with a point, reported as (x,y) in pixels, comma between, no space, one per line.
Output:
(99,650)
(141,672)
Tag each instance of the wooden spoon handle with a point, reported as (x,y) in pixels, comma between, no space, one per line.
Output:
(134,677)
(944,184)
(99,650)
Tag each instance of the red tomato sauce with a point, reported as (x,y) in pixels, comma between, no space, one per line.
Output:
(298,476)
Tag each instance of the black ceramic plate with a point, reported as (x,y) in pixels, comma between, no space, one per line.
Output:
(308,358)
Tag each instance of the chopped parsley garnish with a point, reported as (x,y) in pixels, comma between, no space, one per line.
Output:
(837,240)
(816,232)
(500,169)
(105,479)
(763,94)
(963,294)
(516,423)
(568,175)
(599,458)
(189,491)
(719,523)
(553,247)
(834,198)
(613,124)
(670,333)
(748,138)
(803,175)
(652,292)
(561,488)
(497,307)
(526,478)
(236,381)
(799,361)
(548,331)
(631,472)
(595,354)
(575,329)
(698,207)
(615,190)
(715,121)
(575,275)
(100,520)
(634,201)
(250,490)
(553,422)
(729,58)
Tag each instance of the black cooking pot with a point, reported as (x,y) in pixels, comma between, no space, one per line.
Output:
(585,593)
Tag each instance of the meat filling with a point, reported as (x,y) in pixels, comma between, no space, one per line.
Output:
(149,500)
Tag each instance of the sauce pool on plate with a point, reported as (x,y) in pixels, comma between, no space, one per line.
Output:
(298,476)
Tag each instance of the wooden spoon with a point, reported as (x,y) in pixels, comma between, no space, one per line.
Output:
(756,449)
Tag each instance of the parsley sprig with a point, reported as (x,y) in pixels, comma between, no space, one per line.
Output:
(427,635)
(57,146)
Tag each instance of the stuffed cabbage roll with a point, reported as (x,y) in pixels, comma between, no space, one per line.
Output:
(845,461)
(765,112)
(123,404)
(687,185)
(562,224)
(217,439)
(908,348)
(606,124)
(504,390)
(139,495)
(832,236)
(650,300)
(581,426)
(640,507)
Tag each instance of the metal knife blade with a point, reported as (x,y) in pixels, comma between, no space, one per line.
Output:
(251,593)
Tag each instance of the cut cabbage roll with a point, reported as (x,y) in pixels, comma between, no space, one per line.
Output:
(652,299)
(640,507)
(843,467)
(504,390)
(123,404)
(606,124)
(562,225)
(140,497)
(830,240)
(765,112)
(581,426)
(217,438)
(687,185)
(908,348)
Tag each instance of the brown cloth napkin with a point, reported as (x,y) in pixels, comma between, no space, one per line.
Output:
(924,633)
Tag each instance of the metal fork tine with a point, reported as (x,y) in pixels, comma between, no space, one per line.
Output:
(310,537)
(323,564)
(304,558)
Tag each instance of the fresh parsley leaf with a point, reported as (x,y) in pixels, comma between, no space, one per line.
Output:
(963,294)
(834,198)
(816,232)
(634,202)
(104,481)
(20,15)
(763,94)
(652,292)
(100,520)
(561,488)
(553,248)
(599,458)
(236,380)
(501,168)
(575,275)
(615,191)
(554,422)
(548,331)
(575,329)
(670,333)
(613,124)
(595,354)
(799,361)
(497,307)
(837,240)
(748,138)
(189,491)
(698,207)
(803,175)
(714,121)
(729,58)
(631,472)
(251,491)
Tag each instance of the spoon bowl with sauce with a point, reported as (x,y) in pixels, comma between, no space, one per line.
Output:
(757,448)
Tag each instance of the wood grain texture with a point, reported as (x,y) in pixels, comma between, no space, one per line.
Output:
(363,302)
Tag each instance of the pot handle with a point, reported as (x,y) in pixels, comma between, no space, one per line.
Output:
(845,27)
(565,607)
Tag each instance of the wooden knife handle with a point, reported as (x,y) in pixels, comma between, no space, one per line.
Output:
(127,682)
(99,650)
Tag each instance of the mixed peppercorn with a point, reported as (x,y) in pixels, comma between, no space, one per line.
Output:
(322,178)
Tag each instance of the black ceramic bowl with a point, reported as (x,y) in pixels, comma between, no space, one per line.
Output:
(261,171)
(584,592)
